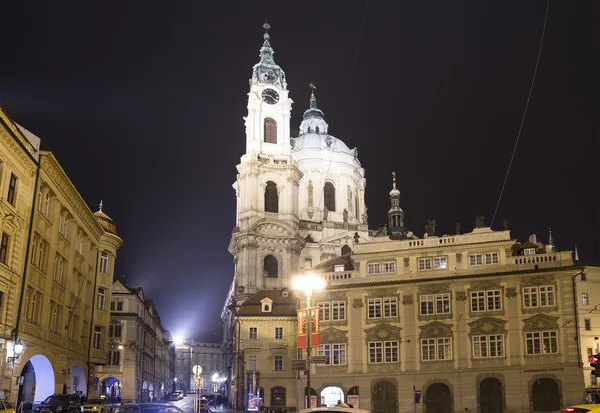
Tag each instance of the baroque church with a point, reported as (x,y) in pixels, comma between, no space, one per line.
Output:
(300,200)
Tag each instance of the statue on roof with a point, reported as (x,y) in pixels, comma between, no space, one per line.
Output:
(479,221)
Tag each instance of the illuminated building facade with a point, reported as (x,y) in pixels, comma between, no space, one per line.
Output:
(58,265)
(209,356)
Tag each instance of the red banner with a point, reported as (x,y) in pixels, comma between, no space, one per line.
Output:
(314,324)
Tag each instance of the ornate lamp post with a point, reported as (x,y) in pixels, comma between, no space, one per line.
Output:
(308,283)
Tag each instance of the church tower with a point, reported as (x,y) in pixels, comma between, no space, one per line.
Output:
(265,242)
(396,228)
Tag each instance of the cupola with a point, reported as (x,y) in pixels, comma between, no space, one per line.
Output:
(266,71)
(396,228)
(105,221)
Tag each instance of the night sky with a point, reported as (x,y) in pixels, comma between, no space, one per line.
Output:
(142,103)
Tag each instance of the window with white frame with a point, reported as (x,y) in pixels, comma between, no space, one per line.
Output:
(436,349)
(101,298)
(332,311)
(104,262)
(253,333)
(588,324)
(278,333)
(278,363)
(115,330)
(390,307)
(491,258)
(114,358)
(4,248)
(383,352)
(541,342)
(334,353)
(584,299)
(251,363)
(47,205)
(529,251)
(488,346)
(338,268)
(435,304)
(374,307)
(489,300)
(542,296)
(424,264)
(440,263)
(53,321)
(385,267)
(40,197)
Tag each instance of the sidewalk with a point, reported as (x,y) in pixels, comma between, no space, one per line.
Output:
(222,409)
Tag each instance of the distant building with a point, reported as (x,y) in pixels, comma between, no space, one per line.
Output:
(141,356)
(56,268)
(209,356)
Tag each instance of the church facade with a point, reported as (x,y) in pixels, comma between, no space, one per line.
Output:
(472,321)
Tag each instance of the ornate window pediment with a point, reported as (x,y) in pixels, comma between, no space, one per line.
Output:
(486,285)
(266,305)
(435,330)
(333,335)
(543,279)
(487,325)
(382,332)
(540,322)
(434,288)
(383,292)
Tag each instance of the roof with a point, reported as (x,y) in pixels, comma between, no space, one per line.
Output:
(281,306)
(328,266)
(106,222)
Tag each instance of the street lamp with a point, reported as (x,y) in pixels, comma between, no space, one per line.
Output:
(308,283)
(17,350)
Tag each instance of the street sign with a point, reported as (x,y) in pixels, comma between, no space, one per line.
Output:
(197,369)
(298,365)
(318,359)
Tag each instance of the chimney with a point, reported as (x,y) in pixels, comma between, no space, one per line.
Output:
(533,239)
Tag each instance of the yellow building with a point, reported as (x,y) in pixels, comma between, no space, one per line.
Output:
(61,268)
(265,343)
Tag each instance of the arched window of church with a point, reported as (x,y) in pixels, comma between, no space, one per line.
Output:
(270,267)
(329,193)
(270,130)
(271,198)
(317,129)
(346,250)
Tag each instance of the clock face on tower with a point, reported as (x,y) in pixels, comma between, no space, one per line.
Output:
(270,96)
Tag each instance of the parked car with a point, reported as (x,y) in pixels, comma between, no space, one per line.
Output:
(6,407)
(60,403)
(203,405)
(583,408)
(96,406)
(148,408)
(176,395)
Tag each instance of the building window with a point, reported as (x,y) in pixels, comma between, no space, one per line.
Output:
(271,198)
(386,267)
(541,342)
(34,308)
(488,258)
(97,337)
(425,264)
(374,308)
(278,363)
(324,311)
(435,304)
(4,248)
(270,130)
(253,333)
(488,346)
(334,353)
(116,305)
(486,300)
(278,333)
(40,196)
(491,258)
(584,299)
(436,349)
(383,352)
(440,263)
(542,296)
(59,269)
(588,324)
(270,267)
(529,251)
(435,263)
(329,194)
(101,298)
(12,189)
(114,358)
(53,316)
(338,268)
(338,310)
(251,363)
(104,262)
(115,330)
(65,227)
(47,205)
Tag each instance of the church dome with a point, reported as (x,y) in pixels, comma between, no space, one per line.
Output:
(319,141)
(105,221)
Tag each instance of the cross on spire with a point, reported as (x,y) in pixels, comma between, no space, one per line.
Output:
(394,179)
(313,99)
(266,26)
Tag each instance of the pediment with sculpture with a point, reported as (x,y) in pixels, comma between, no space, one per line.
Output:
(434,288)
(333,335)
(272,229)
(435,330)
(540,322)
(382,332)
(542,279)
(487,325)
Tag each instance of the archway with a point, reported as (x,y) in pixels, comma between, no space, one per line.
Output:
(331,395)
(278,396)
(545,395)
(383,397)
(491,397)
(78,382)
(37,380)
(438,399)
(144,395)
(111,389)
(151,391)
